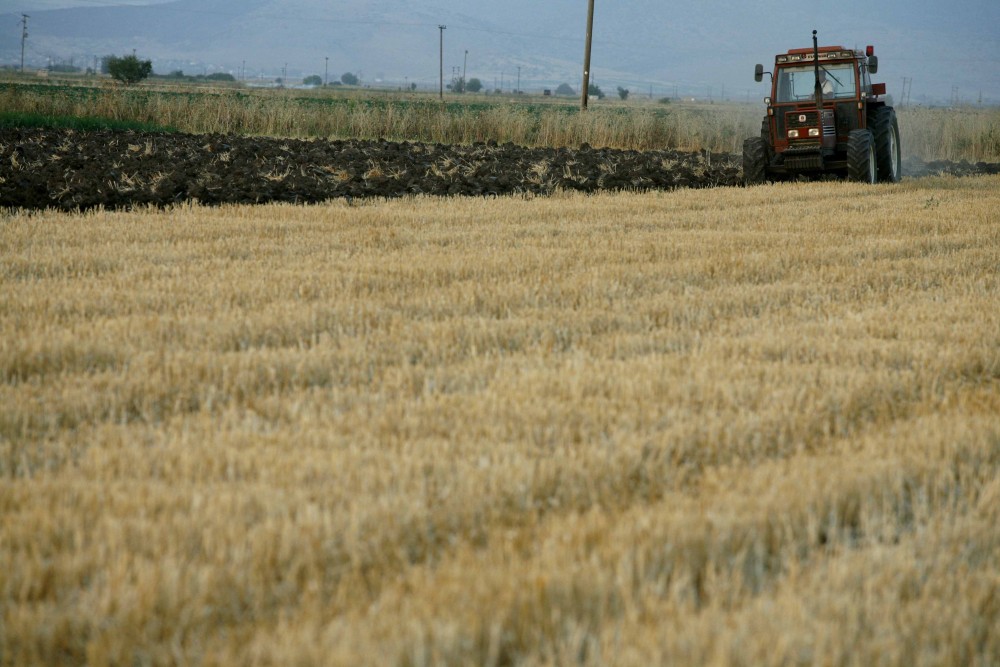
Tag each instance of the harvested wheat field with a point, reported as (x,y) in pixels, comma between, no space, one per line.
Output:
(729,427)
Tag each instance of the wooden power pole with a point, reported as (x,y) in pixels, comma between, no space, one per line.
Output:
(586,56)
(24,37)
(441,29)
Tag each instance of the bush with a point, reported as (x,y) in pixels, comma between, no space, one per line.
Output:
(349,79)
(313,80)
(623,93)
(129,69)
(565,89)
(474,85)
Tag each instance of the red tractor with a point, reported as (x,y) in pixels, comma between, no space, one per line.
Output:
(824,116)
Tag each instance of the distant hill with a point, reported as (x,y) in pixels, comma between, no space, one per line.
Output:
(702,49)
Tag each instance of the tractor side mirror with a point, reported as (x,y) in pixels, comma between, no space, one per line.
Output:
(758,73)
(873,64)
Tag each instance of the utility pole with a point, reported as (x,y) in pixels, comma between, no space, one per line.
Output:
(24,37)
(518,91)
(326,71)
(465,65)
(904,98)
(441,29)
(586,56)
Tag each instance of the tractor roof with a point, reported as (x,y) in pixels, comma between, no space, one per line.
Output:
(825,53)
(822,48)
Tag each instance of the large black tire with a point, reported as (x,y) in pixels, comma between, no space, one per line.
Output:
(754,161)
(862,165)
(887,152)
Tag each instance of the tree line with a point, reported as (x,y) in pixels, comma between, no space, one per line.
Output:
(130,70)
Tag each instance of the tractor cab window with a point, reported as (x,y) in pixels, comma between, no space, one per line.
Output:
(797,84)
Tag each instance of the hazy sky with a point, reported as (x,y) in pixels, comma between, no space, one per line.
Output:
(705,46)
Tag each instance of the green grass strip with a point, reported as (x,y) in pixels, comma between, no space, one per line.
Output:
(16,119)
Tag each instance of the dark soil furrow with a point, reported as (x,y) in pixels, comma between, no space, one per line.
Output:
(68,170)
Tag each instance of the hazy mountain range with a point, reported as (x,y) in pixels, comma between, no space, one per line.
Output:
(702,48)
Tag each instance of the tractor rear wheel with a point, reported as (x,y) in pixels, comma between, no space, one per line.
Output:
(754,161)
(887,152)
(861,161)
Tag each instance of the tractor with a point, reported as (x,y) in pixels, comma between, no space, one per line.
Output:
(824,117)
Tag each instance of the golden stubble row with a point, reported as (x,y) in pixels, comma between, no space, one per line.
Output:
(537,431)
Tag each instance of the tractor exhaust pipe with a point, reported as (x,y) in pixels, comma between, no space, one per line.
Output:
(818,92)
(824,117)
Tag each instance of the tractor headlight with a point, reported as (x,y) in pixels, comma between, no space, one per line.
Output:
(813,131)
(793,134)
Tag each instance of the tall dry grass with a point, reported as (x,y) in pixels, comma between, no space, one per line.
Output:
(743,426)
(928,134)
(971,134)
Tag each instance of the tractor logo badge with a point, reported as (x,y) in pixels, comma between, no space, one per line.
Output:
(802,118)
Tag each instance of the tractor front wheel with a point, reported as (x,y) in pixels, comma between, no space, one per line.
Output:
(754,161)
(861,162)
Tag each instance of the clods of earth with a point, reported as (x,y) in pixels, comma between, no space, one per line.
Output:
(69,170)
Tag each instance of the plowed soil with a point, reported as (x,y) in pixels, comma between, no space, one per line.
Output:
(63,169)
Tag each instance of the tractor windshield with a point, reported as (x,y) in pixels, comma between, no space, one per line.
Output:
(797,84)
